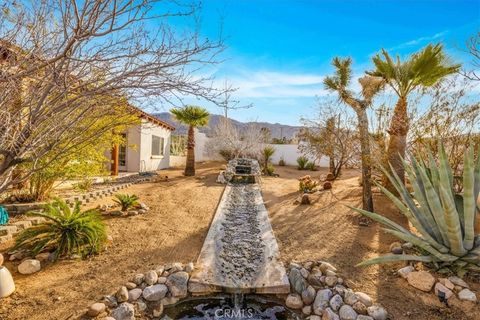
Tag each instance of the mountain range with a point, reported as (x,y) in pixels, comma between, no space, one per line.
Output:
(277,130)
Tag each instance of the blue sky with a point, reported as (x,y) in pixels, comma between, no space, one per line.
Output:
(278,51)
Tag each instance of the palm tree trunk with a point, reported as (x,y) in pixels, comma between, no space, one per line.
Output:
(397,144)
(367,200)
(190,165)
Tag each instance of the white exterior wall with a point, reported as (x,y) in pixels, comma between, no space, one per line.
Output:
(133,147)
(147,162)
(290,153)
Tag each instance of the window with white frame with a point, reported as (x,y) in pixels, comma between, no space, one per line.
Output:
(158,144)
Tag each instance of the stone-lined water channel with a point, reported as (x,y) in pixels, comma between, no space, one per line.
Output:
(240,253)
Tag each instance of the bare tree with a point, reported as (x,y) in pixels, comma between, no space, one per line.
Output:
(231,142)
(473,47)
(228,103)
(331,133)
(65,64)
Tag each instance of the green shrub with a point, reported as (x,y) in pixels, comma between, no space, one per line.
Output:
(281,162)
(126,201)
(444,219)
(311,166)
(269,170)
(65,232)
(302,162)
(83,186)
(306,184)
(267,154)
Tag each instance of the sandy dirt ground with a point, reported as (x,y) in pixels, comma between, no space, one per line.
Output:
(176,225)
(328,230)
(173,230)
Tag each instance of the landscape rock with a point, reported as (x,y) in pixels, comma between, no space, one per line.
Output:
(44,257)
(151,277)
(350,297)
(162,280)
(305,199)
(141,306)
(396,248)
(294,301)
(110,301)
(403,272)
(155,292)
(138,278)
(328,314)
(327,185)
(324,266)
(314,317)
(158,310)
(307,310)
(359,307)
(297,281)
(407,245)
(331,280)
(308,295)
(177,283)
(322,300)
(442,291)
(169,301)
(467,295)
(377,312)
(363,317)
(458,282)
(124,311)
(447,283)
(315,278)
(122,294)
(304,272)
(347,313)
(134,294)
(336,302)
(16,256)
(95,309)
(422,280)
(29,266)
(130,285)
(189,267)
(364,298)
(159,270)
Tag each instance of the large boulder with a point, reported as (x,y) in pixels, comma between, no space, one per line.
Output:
(177,283)
(29,266)
(297,281)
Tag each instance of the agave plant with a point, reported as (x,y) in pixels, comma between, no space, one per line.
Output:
(66,232)
(444,220)
(126,201)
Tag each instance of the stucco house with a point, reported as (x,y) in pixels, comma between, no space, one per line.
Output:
(147,146)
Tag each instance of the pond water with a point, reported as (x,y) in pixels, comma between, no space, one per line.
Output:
(234,307)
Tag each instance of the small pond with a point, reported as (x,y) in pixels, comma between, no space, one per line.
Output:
(229,307)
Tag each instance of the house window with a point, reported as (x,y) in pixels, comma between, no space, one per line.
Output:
(157,145)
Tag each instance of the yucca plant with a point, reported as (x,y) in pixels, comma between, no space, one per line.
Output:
(302,162)
(66,231)
(126,201)
(445,220)
(267,154)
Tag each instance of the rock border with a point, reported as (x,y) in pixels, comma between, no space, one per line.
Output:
(317,292)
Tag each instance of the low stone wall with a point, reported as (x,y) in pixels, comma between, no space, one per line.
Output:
(317,293)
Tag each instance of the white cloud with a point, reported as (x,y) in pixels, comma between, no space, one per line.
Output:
(420,40)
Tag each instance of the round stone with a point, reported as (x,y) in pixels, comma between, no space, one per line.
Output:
(422,280)
(95,309)
(359,307)
(134,294)
(336,302)
(294,301)
(442,292)
(29,266)
(138,278)
(155,292)
(124,311)
(308,295)
(331,280)
(377,312)
(364,298)
(467,295)
(130,285)
(347,313)
(151,277)
(307,310)
(350,297)
(122,294)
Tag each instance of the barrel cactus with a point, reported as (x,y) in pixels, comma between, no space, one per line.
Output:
(444,219)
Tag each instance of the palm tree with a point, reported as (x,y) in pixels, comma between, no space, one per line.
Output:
(422,69)
(339,83)
(193,116)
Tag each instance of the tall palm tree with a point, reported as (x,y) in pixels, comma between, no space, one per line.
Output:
(422,69)
(339,82)
(194,117)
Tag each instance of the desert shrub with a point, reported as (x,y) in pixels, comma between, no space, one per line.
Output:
(227,155)
(269,170)
(310,166)
(281,162)
(306,184)
(84,186)
(266,155)
(65,232)
(445,220)
(126,201)
(302,162)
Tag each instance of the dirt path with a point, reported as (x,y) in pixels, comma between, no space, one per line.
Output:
(328,230)
(173,230)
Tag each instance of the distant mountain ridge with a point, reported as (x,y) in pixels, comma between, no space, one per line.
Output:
(277,130)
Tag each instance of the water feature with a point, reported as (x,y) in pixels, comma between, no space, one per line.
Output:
(234,307)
